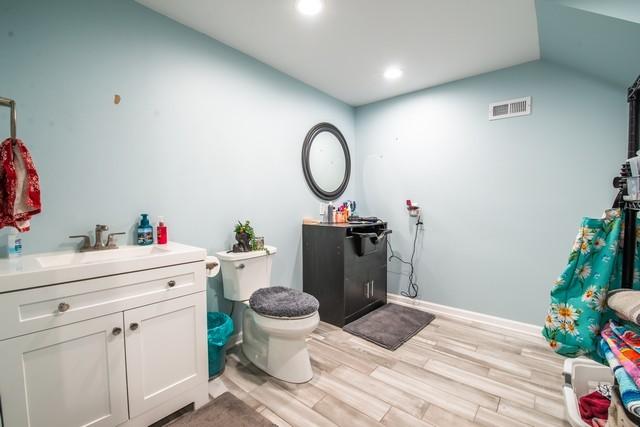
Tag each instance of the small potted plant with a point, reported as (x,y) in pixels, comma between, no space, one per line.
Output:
(246,239)
(245,236)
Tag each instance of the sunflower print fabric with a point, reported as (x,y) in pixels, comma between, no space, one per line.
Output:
(578,308)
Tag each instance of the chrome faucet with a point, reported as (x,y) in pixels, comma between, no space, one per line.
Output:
(99,244)
(99,229)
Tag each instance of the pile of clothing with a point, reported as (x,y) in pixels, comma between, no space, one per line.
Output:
(594,407)
(19,186)
(620,347)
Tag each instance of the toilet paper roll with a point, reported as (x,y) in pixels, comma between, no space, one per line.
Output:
(213,266)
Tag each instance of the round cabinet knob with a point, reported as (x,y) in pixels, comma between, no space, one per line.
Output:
(171,283)
(116,331)
(133,326)
(63,306)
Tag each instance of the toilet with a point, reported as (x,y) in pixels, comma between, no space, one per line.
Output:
(277,320)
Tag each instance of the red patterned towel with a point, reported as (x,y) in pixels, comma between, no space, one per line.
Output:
(19,186)
(593,405)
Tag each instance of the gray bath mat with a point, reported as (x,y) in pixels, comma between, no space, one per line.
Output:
(225,410)
(390,326)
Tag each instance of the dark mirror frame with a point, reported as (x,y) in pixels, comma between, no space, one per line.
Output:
(306,167)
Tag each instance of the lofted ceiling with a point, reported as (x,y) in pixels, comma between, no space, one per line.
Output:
(345,49)
(627,10)
(602,40)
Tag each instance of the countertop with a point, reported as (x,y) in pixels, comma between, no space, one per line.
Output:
(345,224)
(43,269)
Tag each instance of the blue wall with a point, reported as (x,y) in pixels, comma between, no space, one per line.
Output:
(204,135)
(502,199)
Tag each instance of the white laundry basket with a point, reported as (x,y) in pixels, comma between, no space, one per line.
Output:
(581,377)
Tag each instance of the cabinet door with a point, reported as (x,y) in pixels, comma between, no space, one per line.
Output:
(69,376)
(166,350)
(378,283)
(356,287)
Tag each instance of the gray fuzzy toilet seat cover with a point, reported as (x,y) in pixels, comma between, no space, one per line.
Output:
(278,301)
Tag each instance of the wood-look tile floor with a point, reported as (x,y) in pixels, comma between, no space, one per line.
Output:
(453,373)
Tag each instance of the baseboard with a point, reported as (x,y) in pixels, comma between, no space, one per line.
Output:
(459,313)
(499,322)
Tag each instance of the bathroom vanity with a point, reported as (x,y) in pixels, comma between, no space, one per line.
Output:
(345,268)
(108,338)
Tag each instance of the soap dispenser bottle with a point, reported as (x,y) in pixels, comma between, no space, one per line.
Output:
(145,231)
(161,231)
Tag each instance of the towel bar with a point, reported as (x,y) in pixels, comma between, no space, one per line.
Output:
(11,104)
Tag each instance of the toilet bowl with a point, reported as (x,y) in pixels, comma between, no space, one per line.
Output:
(276,320)
(277,345)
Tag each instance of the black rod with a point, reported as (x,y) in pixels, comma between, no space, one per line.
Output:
(634,101)
(628,256)
(629,253)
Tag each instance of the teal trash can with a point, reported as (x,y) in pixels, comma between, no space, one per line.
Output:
(219,329)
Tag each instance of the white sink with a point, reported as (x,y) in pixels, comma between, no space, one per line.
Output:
(69,259)
(44,269)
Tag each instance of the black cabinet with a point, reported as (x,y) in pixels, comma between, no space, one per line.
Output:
(345,268)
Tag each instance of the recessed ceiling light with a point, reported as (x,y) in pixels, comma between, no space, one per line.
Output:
(309,7)
(392,73)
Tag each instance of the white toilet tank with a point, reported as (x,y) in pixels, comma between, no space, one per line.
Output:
(245,272)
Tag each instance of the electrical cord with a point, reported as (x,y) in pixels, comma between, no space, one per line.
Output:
(412,287)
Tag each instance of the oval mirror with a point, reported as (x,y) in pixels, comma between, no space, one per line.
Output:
(326,161)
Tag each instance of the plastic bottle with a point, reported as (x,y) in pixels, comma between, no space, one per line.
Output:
(145,231)
(330,213)
(14,245)
(161,234)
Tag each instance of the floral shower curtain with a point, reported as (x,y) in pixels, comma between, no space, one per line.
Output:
(578,307)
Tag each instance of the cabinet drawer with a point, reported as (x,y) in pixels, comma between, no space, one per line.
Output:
(37,309)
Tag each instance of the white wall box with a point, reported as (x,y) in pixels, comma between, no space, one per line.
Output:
(120,350)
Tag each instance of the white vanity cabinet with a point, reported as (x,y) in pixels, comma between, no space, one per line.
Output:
(121,350)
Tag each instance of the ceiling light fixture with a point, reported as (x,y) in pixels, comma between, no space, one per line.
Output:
(392,73)
(309,7)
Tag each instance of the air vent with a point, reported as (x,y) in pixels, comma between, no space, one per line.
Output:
(510,108)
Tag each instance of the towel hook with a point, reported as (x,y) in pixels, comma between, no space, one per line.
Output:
(11,104)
